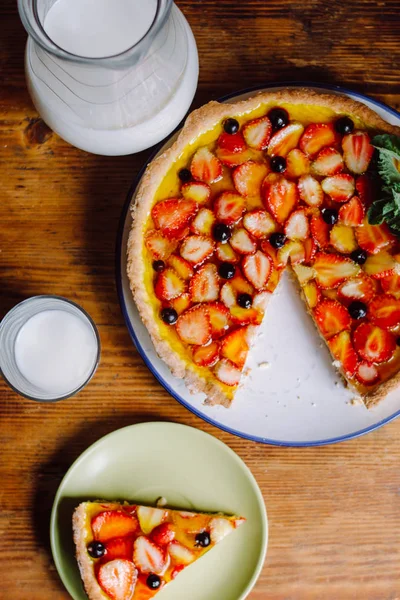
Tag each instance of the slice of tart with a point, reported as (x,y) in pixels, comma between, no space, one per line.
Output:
(131,552)
(283,179)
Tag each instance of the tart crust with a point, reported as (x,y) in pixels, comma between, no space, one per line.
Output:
(197,123)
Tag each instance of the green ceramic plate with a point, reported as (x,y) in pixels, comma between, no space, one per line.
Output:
(192,470)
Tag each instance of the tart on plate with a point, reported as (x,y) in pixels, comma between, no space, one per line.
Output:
(131,552)
(283,179)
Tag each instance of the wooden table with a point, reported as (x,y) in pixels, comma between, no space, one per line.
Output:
(334,512)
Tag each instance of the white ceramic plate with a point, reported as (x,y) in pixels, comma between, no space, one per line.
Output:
(296,399)
(193,471)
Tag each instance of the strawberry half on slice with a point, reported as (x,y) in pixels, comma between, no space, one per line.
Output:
(169,285)
(118,578)
(317,136)
(339,187)
(367,373)
(331,317)
(374,238)
(193,326)
(257,268)
(172,216)
(150,517)
(204,286)
(197,191)
(391,284)
(297,226)
(119,548)
(203,222)
(257,133)
(259,223)
(248,177)
(384,311)
(227,372)
(163,534)
(205,166)
(147,556)
(242,243)
(281,197)
(159,246)
(357,151)
(352,213)
(319,231)
(181,554)
(113,524)
(374,344)
(232,142)
(285,140)
(196,249)
(381,265)
(310,190)
(361,288)
(332,269)
(229,207)
(342,349)
(328,162)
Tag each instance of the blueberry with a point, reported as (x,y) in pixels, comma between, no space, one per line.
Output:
(185,175)
(221,232)
(226,270)
(245,300)
(357,309)
(231,126)
(278,164)
(169,316)
(158,265)
(344,125)
(153,581)
(203,539)
(277,240)
(279,118)
(330,215)
(96,549)
(359,256)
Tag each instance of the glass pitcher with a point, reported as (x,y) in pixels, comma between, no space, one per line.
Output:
(117,104)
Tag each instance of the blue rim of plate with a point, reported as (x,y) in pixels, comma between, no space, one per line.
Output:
(139,347)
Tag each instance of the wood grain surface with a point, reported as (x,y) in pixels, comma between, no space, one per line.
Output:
(334,512)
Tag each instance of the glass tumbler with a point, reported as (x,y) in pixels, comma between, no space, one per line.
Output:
(118,104)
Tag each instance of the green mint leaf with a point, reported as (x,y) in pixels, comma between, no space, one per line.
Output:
(375,212)
(388,143)
(389,153)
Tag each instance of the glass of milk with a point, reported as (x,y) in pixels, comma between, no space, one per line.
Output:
(109,76)
(49,348)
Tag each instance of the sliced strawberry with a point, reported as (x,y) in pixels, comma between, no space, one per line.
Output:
(357,151)
(297,226)
(312,294)
(169,285)
(232,142)
(257,268)
(177,569)
(391,284)
(227,372)
(163,534)
(205,166)
(281,196)
(173,215)
(206,356)
(261,300)
(181,266)
(342,238)
(367,374)
(285,140)
(219,318)
(197,191)
(181,303)
(233,159)
(204,286)
(384,311)
(234,346)
(248,177)
(150,517)
(118,579)
(219,529)
(147,556)
(293,250)
(303,273)
(193,326)
(317,136)
(352,213)
(365,189)
(297,164)
(259,223)
(310,249)
(331,317)
(257,133)
(228,294)
(113,524)
(342,349)
(196,249)
(380,265)
(339,187)
(373,238)
(203,222)
(159,246)
(119,548)
(310,190)
(242,242)
(328,162)
(225,253)
(361,288)
(373,343)
(333,269)
(319,231)
(180,553)
(229,207)
(245,316)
